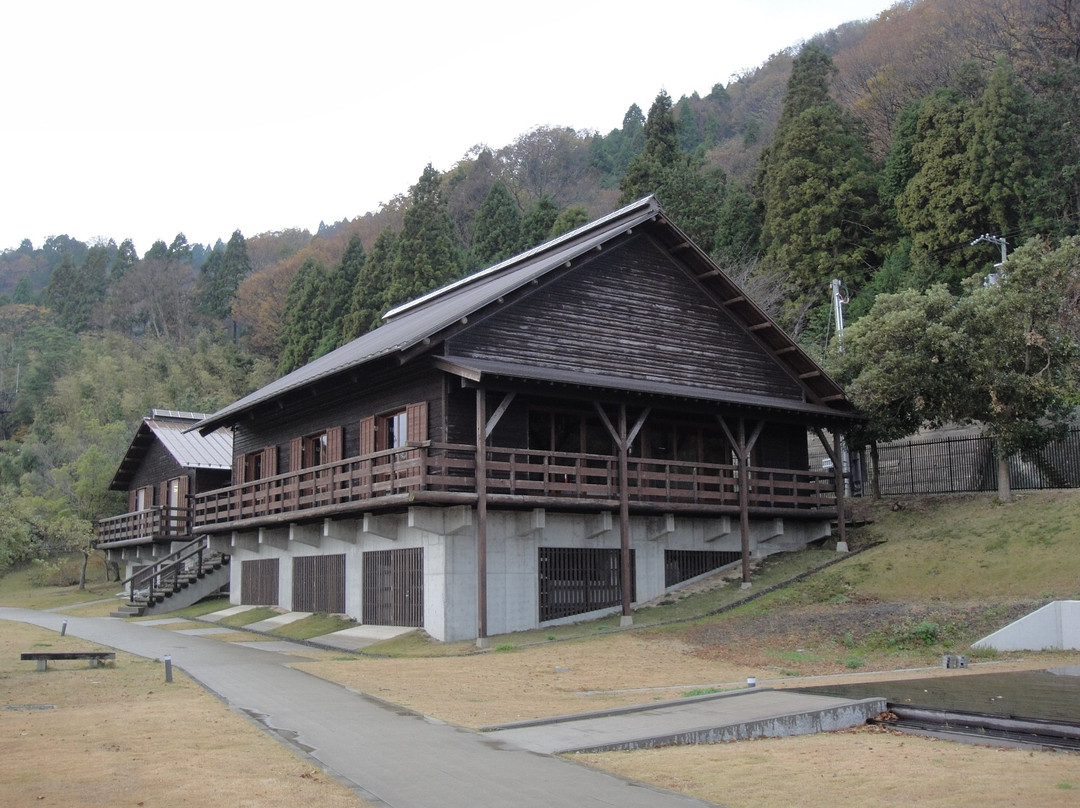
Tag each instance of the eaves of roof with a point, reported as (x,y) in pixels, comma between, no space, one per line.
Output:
(477,370)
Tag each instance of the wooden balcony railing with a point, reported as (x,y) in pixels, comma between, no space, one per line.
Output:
(153,523)
(526,476)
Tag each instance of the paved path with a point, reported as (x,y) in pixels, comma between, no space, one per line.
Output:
(394,757)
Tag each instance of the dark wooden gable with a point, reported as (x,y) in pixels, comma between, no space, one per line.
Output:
(630,312)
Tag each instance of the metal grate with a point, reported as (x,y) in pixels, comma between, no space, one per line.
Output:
(319,584)
(259,582)
(575,580)
(682,565)
(394,587)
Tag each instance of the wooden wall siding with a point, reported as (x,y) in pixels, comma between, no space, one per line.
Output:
(575,580)
(259,582)
(630,313)
(157,465)
(342,405)
(394,587)
(682,565)
(319,584)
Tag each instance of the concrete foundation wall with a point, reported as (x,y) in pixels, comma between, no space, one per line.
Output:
(448,536)
(1055,626)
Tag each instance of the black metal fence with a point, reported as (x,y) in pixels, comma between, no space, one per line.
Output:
(957,465)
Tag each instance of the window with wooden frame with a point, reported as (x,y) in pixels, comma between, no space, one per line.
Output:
(256,465)
(396,429)
(141,499)
(316,449)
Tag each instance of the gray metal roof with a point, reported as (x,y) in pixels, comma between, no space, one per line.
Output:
(424,318)
(412,323)
(190,450)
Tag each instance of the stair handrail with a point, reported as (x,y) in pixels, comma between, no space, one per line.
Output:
(170,566)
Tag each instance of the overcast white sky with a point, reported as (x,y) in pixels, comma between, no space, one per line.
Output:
(145,119)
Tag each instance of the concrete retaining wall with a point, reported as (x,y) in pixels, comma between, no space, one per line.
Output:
(1056,626)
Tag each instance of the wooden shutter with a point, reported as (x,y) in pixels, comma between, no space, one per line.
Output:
(335,443)
(238,470)
(296,454)
(182,492)
(367,435)
(269,461)
(132,500)
(416,422)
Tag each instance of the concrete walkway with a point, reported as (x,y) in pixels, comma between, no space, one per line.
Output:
(394,757)
(734,716)
(400,759)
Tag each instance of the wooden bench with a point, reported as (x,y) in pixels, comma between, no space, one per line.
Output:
(96,657)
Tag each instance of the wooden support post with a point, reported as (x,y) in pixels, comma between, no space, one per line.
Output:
(835,453)
(623,437)
(624,515)
(481,518)
(743,447)
(838,475)
(744,503)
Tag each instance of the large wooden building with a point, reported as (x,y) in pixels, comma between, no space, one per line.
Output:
(577,429)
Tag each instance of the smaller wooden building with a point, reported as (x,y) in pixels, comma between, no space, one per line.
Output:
(165,466)
(579,428)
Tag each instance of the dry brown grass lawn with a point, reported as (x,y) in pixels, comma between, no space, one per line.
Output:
(582,675)
(856,768)
(118,735)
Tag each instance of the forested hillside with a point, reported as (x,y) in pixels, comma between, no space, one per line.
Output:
(895,154)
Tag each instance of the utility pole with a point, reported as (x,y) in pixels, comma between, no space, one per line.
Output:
(838,312)
(998,240)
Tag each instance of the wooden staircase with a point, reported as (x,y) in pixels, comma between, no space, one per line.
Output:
(178,580)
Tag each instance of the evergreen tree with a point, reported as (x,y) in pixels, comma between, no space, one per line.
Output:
(428,255)
(537,223)
(496,228)
(125,259)
(73,291)
(339,295)
(208,280)
(1003,158)
(690,194)
(221,275)
(939,208)
(613,153)
(371,290)
(816,182)
(24,291)
(646,172)
(305,312)
(568,219)
(738,231)
(687,125)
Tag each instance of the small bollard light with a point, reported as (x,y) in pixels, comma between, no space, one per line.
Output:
(751,681)
(168,668)
(63,628)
